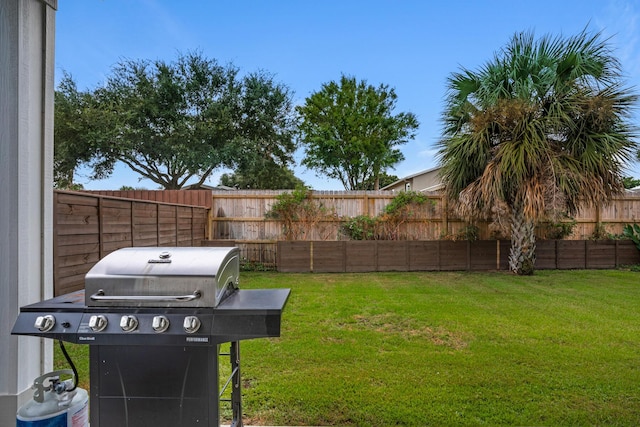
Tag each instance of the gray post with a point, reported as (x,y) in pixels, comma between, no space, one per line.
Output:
(26,162)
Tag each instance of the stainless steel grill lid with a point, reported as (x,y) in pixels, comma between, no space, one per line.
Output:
(163,277)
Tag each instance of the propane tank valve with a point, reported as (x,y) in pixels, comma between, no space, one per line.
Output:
(55,402)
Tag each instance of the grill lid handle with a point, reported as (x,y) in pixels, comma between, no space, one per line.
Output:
(100,296)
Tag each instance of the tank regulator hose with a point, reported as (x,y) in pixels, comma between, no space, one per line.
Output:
(73,367)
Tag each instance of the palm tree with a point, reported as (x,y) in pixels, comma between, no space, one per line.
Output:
(537,132)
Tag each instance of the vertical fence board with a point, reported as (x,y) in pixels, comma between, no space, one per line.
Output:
(505,247)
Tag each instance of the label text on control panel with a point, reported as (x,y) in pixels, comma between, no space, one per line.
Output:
(197,339)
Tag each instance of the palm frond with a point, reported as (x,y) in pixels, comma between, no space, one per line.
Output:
(544,125)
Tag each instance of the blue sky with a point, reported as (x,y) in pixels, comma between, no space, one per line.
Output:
(410,45)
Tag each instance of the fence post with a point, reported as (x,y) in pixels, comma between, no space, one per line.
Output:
(100,227)
(445,214)
(177,225)
(132,226)
(157,224)
(209,232)
(586,253)
(366,204)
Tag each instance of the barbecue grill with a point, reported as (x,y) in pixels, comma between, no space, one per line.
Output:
(154,319)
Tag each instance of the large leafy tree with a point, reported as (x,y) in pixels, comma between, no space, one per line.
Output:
(167,121)
(263,175)
(383,180)
(630,182)
(75,119)
(265,142)
(539,131)
(350,132)
(173,122)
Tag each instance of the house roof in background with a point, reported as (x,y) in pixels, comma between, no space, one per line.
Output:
(409,177)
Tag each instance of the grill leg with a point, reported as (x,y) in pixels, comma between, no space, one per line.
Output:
(236,390)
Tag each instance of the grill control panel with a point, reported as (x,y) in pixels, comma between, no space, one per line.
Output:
(112,328)
(245,314)
(143,323)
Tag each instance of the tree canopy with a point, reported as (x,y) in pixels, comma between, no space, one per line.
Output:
(172,122)
(541,130)
(350,133)
(263,151)
(630,182)
(77,123)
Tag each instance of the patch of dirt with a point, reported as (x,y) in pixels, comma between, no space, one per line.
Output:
(390,324)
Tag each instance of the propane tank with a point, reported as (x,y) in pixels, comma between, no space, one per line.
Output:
(55,403)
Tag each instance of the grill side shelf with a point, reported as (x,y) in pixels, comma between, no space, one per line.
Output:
(250,313)
(254,300)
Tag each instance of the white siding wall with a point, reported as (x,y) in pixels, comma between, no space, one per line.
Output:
(26,152)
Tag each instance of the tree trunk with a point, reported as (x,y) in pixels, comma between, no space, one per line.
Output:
(522,256)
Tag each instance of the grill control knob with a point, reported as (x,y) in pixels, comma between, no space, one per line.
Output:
(160,323)
(45,323)
(98,323)
(128,323)
(191,324)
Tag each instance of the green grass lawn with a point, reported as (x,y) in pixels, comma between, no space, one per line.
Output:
(414,349)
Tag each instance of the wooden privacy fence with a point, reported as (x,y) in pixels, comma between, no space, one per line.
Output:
(443,255)
(240,216)
(87,227)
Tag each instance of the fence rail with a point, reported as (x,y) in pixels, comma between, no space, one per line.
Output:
(179,197)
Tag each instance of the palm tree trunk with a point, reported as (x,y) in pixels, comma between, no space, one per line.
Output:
(522,256)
